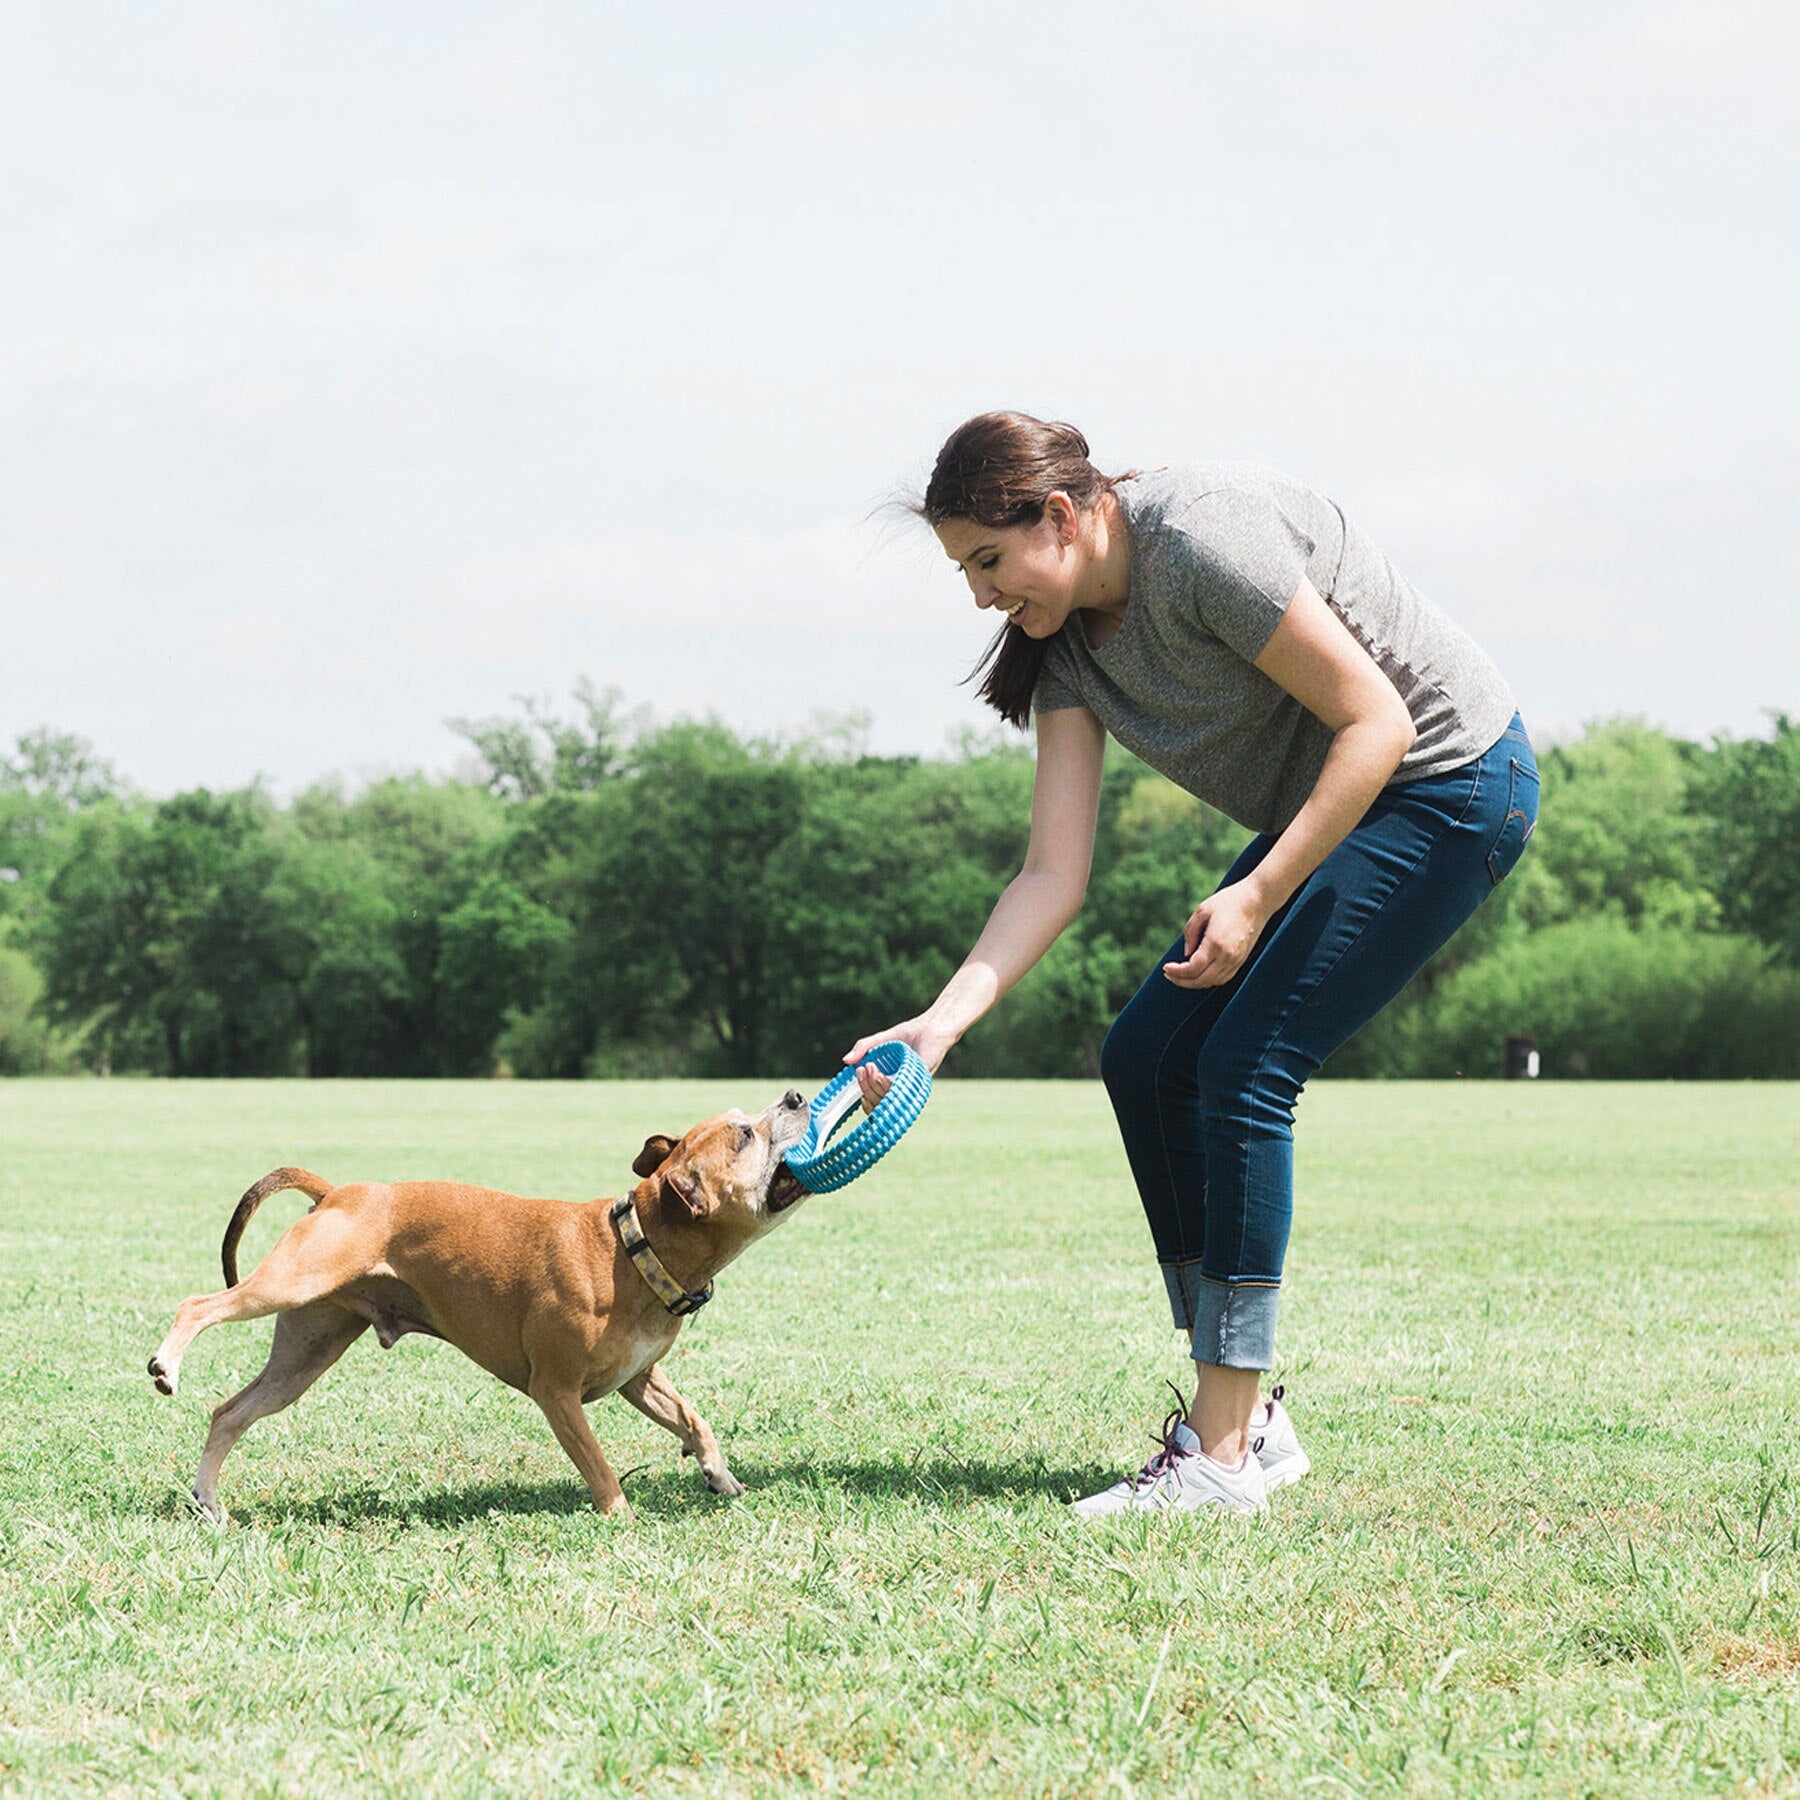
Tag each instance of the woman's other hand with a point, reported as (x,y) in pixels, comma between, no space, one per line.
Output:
(1218,937)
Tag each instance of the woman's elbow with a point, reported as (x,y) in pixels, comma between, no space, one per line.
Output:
(1063,891)
(1398,726)
(1383,730)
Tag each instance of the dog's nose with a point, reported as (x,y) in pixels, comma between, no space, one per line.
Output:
(793,1100)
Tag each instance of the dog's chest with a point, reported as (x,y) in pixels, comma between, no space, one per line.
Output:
(623,1355)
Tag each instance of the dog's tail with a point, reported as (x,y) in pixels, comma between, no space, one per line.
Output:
(273,1183)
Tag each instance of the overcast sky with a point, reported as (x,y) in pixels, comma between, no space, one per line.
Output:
(365,366)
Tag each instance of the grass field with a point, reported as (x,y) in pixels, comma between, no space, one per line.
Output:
(1541,1343)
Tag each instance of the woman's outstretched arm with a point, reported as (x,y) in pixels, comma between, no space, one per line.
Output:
(1037,904)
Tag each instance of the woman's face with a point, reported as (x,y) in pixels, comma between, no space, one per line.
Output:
(1028,572)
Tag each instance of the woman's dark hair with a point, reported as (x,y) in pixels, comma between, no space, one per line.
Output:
(999,469)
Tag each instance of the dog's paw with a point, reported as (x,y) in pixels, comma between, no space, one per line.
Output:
(724,1482)
(208,1509)
(165,1379)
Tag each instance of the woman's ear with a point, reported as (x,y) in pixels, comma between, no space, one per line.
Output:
(1064,516)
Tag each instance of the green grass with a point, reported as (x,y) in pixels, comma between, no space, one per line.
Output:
(1541,1342)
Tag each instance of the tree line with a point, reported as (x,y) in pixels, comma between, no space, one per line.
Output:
(598,894)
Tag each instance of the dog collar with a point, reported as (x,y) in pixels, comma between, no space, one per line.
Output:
(649,1265)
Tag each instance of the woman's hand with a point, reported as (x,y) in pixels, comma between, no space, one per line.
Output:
(1222,932)
(932,1043)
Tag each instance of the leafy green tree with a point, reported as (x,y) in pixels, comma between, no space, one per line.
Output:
(744,908)
(1158,853)
(380,876)
(1746,801)
(612,897)
(671,921)
(26,1045)
(1168,852)
(96,963)
(48,779)
(1616,835)
(496,952)
(1616,839)
(358,1005)
(542,754)
(1609,1001)
(879,891)
(164,937)
(1051,1026)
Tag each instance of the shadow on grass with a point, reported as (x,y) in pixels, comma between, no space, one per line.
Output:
(936,1477)
(675,1491)
(360,1505)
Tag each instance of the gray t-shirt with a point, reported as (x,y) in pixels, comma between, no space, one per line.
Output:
(1217,551)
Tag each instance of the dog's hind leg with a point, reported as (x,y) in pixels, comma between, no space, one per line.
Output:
(314,1257)
(654,1395)
(307,1342)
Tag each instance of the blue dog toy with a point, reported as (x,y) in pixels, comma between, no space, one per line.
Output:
(817,1163)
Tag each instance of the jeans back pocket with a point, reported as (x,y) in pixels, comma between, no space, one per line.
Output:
(1520,821)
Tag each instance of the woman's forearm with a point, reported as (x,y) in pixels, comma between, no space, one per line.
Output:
(1037,903)
(1360,763)
(1027,919)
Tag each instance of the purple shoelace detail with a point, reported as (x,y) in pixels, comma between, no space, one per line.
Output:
(1171,1452)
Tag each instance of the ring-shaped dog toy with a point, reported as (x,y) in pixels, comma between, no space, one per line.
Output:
(820,1165)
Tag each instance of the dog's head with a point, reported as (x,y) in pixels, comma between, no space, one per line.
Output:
(728,1170)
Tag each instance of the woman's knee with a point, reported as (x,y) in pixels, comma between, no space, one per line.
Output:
(1240,1081)
(1122,1061)
(1138,1052)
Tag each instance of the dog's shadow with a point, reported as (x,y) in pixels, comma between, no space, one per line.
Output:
(678,1491)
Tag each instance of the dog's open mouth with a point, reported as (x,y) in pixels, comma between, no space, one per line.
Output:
(785,1189)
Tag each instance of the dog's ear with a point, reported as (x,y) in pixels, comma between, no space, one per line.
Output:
(679,1188)
(654,1153)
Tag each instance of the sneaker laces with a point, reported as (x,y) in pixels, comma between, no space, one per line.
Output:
(1171,1452)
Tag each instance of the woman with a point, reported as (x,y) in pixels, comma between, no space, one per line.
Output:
(1233,630)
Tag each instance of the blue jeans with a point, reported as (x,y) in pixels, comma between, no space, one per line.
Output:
(1204,1083)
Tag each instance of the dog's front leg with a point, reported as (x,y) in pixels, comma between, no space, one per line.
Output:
(654,1395)
(562,1406)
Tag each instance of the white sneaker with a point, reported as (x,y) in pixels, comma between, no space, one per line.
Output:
(1278,1446)
(1183,1478)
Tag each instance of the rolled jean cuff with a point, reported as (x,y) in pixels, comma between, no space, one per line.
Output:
(1232,1323)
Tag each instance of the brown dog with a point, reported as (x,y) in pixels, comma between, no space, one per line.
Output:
(564,1302)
